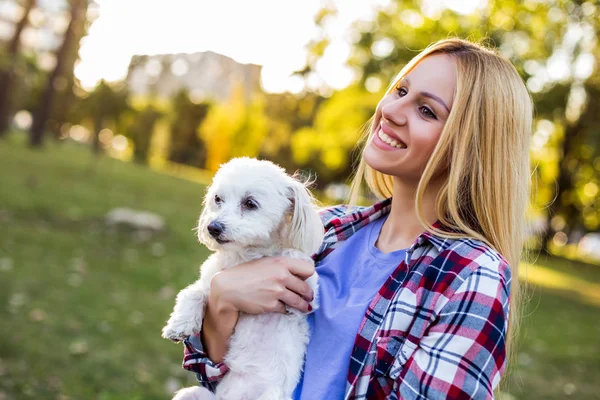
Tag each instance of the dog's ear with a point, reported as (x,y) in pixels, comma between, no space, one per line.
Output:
(305,232)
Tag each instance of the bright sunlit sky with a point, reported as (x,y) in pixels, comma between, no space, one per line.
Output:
(271,33)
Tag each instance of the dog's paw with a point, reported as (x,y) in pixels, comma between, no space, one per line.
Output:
(177,332)
(169,333)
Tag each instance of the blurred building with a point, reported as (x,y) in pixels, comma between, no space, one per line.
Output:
(206,75)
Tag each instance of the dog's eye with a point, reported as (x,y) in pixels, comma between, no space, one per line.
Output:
(250,204)
(218,200)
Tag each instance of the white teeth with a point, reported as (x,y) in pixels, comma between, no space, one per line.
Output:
(392,142)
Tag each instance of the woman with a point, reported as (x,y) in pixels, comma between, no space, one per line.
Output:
(416,304)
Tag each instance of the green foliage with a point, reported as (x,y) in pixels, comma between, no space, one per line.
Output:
(327,146)
(141,132)
(104,106)
(234,128)
(185,145)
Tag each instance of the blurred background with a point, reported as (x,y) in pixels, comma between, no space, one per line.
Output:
(115,114)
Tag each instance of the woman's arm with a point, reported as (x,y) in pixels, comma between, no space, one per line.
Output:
(218,325)
(256,287)
(462,355)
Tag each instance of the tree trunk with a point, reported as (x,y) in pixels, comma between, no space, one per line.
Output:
(98,124)
(576,135)
(70,43)
(7,76)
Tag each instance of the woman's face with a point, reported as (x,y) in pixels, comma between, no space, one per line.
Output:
(408,121)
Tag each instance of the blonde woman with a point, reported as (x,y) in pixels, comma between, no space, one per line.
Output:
(415,291)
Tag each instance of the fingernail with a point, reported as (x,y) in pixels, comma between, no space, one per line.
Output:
(309,307)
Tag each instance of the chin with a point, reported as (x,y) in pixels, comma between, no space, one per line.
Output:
(379,160)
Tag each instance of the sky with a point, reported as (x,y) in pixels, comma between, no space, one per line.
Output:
(271,33)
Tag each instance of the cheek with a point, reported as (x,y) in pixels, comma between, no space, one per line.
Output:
(426,136)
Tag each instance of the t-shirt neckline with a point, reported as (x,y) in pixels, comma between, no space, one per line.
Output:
(391,257)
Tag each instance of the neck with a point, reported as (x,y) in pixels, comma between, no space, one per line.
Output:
(402,226)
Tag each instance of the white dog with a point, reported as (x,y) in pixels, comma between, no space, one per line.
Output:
(252,209)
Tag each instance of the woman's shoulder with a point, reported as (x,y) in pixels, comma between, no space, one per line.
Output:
(327,213)
(472,259)
(345,214)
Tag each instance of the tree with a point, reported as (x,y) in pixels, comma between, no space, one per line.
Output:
(103,104)
(287,113)
(329,146)
(63,69)
(234,128)
(186,146)
(7,72)
(141,132)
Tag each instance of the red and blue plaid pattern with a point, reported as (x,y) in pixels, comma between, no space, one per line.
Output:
(435,330)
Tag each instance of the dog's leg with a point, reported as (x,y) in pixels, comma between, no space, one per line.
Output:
(194,393)
(186,318)
(188,313)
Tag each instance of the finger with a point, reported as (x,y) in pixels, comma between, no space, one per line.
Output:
(280,308)
(299,286)
(293,300)
(301,268)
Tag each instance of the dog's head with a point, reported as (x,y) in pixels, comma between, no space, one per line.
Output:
(254,203)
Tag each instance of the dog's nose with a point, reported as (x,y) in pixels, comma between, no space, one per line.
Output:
(215,229)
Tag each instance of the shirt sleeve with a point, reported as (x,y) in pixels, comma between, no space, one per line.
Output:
(462,355)
(195,359)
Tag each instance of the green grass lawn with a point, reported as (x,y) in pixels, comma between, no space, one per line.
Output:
(82,304)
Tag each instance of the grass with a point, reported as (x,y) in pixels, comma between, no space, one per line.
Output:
(82,304)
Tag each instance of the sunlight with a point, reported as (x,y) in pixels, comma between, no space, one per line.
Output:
(548,278)
(275,36)
(186,26)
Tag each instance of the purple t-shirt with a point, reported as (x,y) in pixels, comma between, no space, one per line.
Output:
(349,278)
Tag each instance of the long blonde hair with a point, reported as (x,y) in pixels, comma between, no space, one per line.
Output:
(484,146)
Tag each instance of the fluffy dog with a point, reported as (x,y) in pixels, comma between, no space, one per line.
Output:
(252,209)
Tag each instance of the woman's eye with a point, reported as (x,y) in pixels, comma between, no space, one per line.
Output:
(218,200)
(250,204)
(428,113)
(402,91)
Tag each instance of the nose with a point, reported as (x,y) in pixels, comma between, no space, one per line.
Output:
(215,229)
(395,112)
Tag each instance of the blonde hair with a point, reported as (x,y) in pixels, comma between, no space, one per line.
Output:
(484,146)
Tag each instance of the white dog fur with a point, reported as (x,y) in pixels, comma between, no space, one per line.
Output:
(262,211)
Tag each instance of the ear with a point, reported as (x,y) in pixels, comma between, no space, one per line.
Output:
(305,232)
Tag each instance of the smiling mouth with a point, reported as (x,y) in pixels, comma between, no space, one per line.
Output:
(389,140)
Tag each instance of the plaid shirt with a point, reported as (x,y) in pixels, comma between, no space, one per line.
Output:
(435,330)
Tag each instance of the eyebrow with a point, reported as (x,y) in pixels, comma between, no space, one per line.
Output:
(429,95)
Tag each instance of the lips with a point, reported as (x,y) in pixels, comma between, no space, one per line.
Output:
(389,132)
(387,141)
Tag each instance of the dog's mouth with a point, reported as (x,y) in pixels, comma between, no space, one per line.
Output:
(222,241)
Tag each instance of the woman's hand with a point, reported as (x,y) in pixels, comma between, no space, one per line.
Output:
(264,285)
